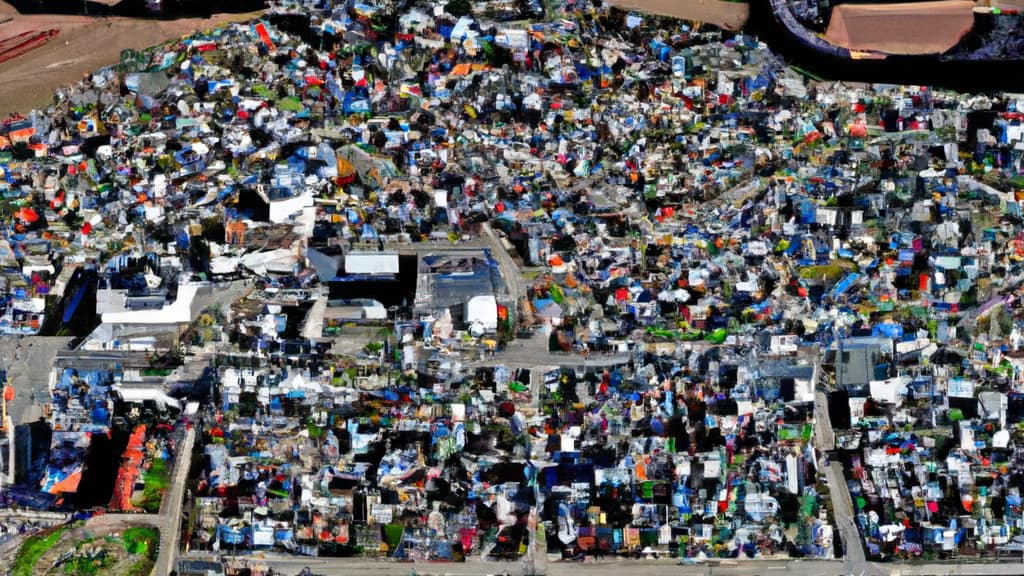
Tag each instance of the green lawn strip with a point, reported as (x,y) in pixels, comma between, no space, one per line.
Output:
(156,480)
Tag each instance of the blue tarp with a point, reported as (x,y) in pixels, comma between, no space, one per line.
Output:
(894,331)
(229,535)
(69,312)
(845,284)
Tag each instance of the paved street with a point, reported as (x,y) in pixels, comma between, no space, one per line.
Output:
(23,358)
(532,352)
(171,507)
(515,284)
(855,561)
(345,567)
(666,567)
(842,508)
(824,434)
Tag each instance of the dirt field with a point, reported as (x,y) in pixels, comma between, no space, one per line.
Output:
(728,15)
(911,28)
(83,45)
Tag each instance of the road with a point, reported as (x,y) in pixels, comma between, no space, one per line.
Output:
(530,352)
(855,561)
(825,436)
(168,521)
(192,369)
(413,248)
(22,357)
(842,509)
(313,327)
(525,352)
(615,567)
(171,507)
(345,567)
(515,284)
(126,358)
(665,567)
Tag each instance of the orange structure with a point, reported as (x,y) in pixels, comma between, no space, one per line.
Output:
(234,232)
(130,469)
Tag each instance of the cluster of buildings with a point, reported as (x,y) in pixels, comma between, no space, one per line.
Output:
(433,281)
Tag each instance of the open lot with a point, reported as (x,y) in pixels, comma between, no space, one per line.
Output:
(82,45)
(728,15)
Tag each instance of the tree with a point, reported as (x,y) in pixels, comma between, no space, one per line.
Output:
(458,7)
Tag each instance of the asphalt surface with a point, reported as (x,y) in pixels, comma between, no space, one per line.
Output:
(532,352)
(824,434)
(105,358)
(27,361)
(842,509)
(665,567)
(171,507)
(429,247)
(313,328)
(855,561)
(475,567)
(515,284)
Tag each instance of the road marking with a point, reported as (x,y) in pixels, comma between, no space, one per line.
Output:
(62,63)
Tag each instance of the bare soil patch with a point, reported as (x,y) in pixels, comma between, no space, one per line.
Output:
(727,15)
(83,45)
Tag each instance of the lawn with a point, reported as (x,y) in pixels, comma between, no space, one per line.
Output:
(156,479)
(141,541)
(34,548)
(144,542)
